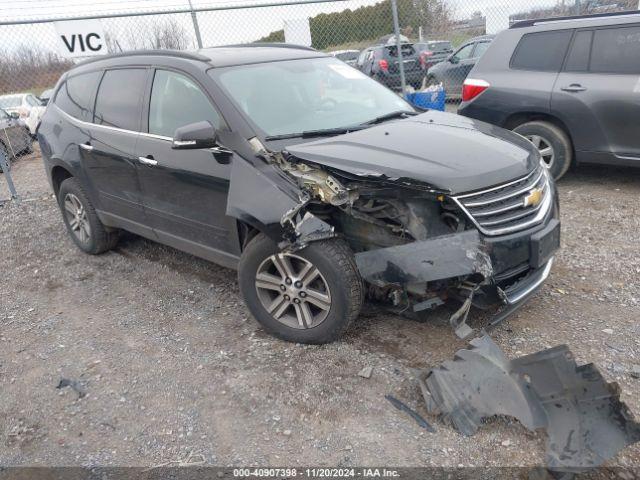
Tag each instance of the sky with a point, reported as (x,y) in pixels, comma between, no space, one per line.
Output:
(28,9)
(217,28)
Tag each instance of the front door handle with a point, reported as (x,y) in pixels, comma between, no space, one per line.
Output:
(86,146)
(148,160)
(574,87)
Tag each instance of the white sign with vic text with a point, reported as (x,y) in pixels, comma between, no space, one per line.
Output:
(81,38)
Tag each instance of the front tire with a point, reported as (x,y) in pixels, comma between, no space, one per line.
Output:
(553,144)
(82,222)
(310,296)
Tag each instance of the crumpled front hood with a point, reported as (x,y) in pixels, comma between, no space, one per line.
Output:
(446,151)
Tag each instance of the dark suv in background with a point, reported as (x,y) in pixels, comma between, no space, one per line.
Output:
(570,85)
(381,62)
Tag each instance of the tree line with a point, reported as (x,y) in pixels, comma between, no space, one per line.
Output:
(372,22)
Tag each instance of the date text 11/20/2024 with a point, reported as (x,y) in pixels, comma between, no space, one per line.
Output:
(316,472)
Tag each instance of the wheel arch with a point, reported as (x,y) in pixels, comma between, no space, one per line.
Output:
(516,119)
(246,232)
(59,174)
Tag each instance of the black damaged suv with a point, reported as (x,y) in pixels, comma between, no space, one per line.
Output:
(316,182)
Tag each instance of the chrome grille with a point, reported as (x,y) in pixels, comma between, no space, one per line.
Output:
(504,209)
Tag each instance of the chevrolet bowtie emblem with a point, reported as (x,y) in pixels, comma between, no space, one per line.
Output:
(533,198)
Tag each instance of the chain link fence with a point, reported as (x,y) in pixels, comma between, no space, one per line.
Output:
(33,55)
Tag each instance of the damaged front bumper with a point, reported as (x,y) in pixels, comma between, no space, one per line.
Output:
(469,263)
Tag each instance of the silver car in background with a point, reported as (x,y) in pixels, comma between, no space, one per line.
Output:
(28,107)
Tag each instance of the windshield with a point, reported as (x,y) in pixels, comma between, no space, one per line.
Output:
(302,95)
(10,101)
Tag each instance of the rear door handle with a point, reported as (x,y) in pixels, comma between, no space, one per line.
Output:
(86,146)
(148,160)
(574,87)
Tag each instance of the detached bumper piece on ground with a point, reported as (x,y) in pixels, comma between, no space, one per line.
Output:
(585,420)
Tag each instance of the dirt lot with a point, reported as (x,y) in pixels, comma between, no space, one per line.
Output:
(172,363)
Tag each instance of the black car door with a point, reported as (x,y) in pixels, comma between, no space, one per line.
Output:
(598,93)
(108,155)
(184,191)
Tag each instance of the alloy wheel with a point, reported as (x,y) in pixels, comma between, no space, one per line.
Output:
(293,291)
(544,147)
(77,217)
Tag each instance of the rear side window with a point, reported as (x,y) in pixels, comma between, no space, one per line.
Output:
(543,51)
(616,50)
(120,98)
(175,102)
(578,58)
(75,95)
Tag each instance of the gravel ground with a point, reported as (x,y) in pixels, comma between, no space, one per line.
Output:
(171,363)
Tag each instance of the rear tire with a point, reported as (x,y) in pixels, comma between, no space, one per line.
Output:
(331,270)
(552,142)
(82,222)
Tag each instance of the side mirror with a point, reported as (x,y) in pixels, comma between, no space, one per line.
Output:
(14,115)
(453,59)
(195,136)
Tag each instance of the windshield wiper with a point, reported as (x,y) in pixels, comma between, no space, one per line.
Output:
(340,130)
(316,133)
(390,116)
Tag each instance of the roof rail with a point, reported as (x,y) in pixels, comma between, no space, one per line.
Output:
(268,44)
(534,21)
(166,53)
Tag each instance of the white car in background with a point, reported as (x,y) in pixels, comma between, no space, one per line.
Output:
(27,106)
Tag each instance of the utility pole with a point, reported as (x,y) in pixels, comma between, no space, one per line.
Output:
(396,28)
(195,24)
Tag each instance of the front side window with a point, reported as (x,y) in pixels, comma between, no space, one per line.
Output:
(119,98)
(464,52)
(294,96)
(616,50)
(176,101)
(542,51)
(480,49)
(76,94)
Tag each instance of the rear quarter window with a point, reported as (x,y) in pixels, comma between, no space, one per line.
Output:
(75,95)
(616,50)
(541,51)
